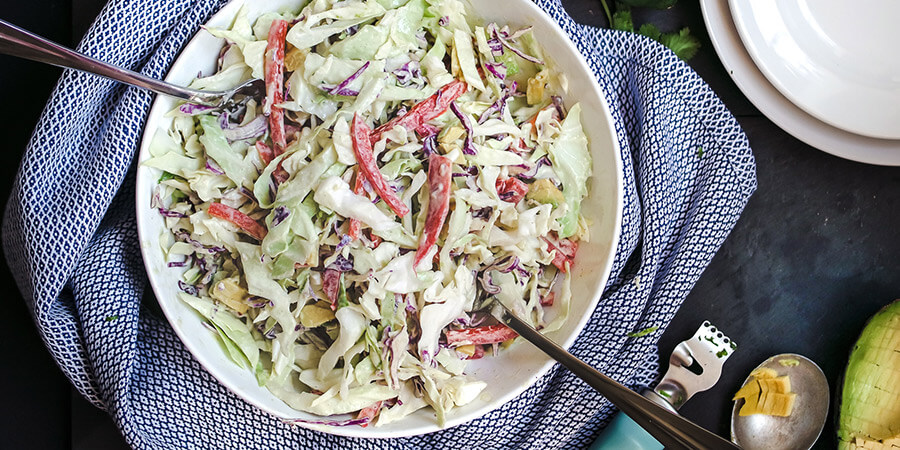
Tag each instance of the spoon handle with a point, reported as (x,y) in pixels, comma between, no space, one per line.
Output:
(15,41)
(671,430)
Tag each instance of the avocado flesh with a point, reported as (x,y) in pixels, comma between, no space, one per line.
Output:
(544,191)
(870,399)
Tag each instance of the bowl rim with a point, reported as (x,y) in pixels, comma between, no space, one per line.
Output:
(229,11)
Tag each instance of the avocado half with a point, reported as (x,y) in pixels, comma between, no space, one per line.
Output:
(870,397)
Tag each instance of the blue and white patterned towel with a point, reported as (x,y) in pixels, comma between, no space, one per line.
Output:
(70,238)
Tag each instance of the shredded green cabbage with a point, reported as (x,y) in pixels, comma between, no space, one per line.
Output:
(337,320)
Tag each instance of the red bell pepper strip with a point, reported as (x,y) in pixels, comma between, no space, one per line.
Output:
(565,250)
(355,225)
(331,284)
(265,152)
(274,69)
(369,412)
(490,334)
(427,109)
(279,174)
(362,149)
(375,240)
(243,221)
(548,299)
(511,190)
(440,174)
(479,353)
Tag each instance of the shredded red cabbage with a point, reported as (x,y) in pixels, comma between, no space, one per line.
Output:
(518,33)
(429,144)
(407,73)
(281,213)
(156,202)
(184,236)
(187,288)
(184,263)
(254,129)
(330,423)
(213,167)
(248,193)
(483,213)
(258,302)
(345,239)
(497,69)
(560,108)
(169,213)
(470,171)
(193,110)
(532,172)
(342,264)
(468,147)
(488,283)
(496,46)
(503,40)
(500,105)
(341,89)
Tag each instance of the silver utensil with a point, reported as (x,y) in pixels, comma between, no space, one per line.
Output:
(802,428)
(695,366)
(671,430)
(15,41)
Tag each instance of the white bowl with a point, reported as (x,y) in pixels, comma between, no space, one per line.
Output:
(516,368)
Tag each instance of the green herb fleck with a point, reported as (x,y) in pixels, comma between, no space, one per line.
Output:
(722,353)
(342,297)
(789,362)
(111,318)
(642,333)
(699,152)
(665,394)
(168,176)
(178,196)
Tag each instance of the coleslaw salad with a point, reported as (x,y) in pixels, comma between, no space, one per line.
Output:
(346,237)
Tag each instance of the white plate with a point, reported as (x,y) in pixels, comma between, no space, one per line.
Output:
(515,369)
(779,109)
(835,59)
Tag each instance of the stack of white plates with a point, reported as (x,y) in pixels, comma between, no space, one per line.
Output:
(826,71)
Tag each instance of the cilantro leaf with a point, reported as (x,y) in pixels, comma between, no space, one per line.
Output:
(682,43)
(650,30)
(642,333)
(621,20)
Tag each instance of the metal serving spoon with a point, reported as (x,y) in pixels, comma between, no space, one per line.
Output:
(802,428)
(671,430)
(15,41)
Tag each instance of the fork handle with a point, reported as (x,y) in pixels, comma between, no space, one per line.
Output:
(15,41)
(623,433)
(671,430)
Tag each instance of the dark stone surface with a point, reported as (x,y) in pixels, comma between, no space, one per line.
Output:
(33,392)
(812,257)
